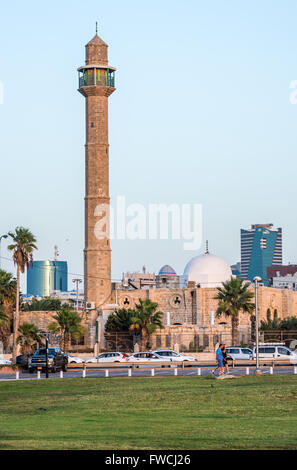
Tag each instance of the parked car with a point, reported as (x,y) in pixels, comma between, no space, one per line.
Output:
(239,353)
(23,361)
(174,356)
(107,357)
(275,351)
(74,359)
(146,357)
(4,362)
(57,360)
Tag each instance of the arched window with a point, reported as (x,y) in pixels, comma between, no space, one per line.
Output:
(268,314)
(275,314)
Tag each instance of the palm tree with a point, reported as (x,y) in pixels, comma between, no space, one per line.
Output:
(3,316)
(28,337)
(22,247)
(7,304)
(68,324)
(235,297)
(120,321)
(146,320)
(7,288)
(270,324)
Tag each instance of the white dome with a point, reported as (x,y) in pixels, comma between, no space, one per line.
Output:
(208,271)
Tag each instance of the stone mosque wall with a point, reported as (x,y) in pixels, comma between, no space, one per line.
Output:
(191,318)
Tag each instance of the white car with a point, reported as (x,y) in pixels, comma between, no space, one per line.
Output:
(74,359)
(275,351)
(107,357)
(239,353)
(4,362)
(146,357)
(174,356)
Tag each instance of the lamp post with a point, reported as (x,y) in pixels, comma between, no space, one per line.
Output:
(46,335)
(2,237)
(257,279)
(77,282)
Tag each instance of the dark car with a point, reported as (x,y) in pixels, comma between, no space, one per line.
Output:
(57,360)
(23,361)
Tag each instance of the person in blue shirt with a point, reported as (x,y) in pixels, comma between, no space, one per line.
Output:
(220,360)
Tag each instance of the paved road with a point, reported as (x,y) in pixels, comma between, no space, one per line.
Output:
(145,373)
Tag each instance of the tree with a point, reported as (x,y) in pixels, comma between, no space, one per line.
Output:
(120,321)
(287,324)
(28,337)
(7,304)
(22,247)
(146,320)
(235,297)
(48,304)
(270,324)
(68,324)
(7,288)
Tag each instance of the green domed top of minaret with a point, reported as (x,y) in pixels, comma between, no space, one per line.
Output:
(96,51)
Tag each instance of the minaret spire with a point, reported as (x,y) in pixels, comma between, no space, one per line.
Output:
(96,27)
(207,250)
(96,84)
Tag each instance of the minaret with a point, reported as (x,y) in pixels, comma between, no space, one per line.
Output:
(96,84)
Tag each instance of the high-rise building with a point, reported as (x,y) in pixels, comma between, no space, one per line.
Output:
(96,84)
(43,277)
(236,269)
(261,247)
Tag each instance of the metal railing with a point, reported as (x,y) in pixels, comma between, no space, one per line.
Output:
(90,81)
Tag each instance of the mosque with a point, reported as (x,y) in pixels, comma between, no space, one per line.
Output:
(188,301)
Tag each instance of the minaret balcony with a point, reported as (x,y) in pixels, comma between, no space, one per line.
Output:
(97,76)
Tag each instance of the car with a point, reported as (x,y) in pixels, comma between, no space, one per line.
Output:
(74,359)
(146,357)
(57,360)
(4,362)
(239,353)
(107,357)
(23,361)
(276,351)
(174,356)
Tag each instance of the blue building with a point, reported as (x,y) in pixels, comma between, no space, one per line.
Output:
(43,277)
(261,247)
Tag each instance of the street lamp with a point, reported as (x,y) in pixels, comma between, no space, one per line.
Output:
(2,237)
(46,335)
(257,279)
(77,282)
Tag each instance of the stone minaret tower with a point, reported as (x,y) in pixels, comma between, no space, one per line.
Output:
(96,84)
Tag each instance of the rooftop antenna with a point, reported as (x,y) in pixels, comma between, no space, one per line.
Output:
(207,250)
(56,253)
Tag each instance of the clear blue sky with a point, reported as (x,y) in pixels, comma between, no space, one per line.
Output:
(201,114)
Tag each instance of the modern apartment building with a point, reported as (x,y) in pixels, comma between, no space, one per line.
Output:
(261,247)
(43,277)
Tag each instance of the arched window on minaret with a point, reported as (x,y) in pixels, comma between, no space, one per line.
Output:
(268,314)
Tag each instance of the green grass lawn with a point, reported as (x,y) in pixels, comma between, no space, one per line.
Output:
(150,413)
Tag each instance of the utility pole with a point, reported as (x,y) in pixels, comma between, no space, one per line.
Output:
(77,282)
(257,279)
(46,336)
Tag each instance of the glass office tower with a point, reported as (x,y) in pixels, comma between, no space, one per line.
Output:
(43,277)
(261,247)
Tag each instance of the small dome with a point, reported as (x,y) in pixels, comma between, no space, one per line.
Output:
(208,271)
(166,270)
